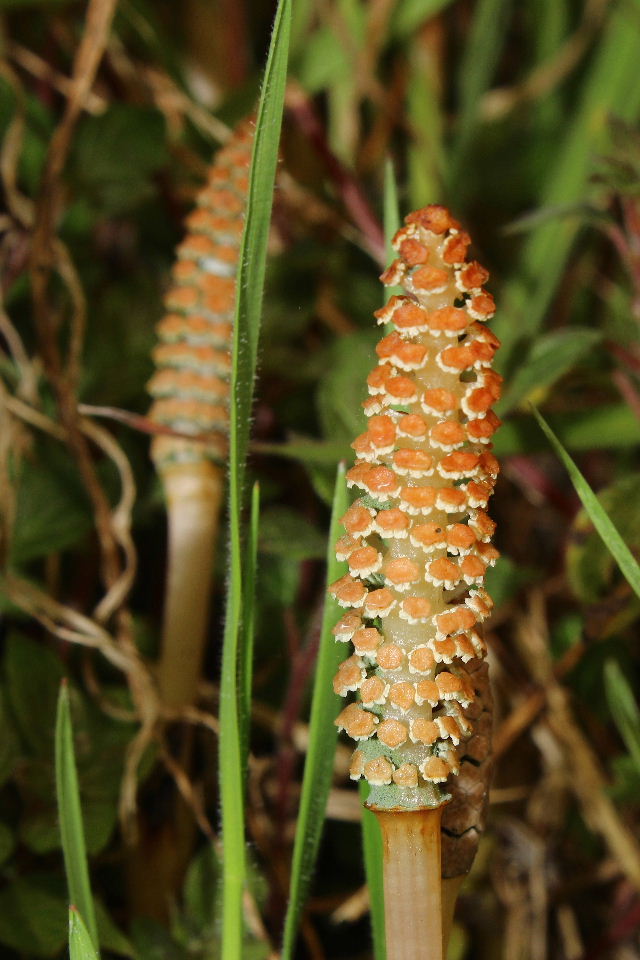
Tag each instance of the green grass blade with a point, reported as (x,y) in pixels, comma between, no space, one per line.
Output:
(391,219)
(80,944)
(245,658)
(323,735)
(477,68)
(623,707)
(612,539)
(70,814)
(372,850)
(610,87)
(250,282)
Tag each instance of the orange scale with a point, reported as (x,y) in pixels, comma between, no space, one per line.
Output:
(392,523)
(356,722)
(434,770)
(456,359)
(459,464)
(390,656)
(455,621)
(411,317)
(406,775)
(413,252)
(392,733)
(416,463)
(451,499)
(377,379)
(218,301)
(415,609)
(483,525)
(400,390)
(379,603)
(366,641)
(346,627)
(394,273)
(449,729)
(184,270)
(482,306)
(451,687)
(363,447)
(478,493)
(481,429)
(378,772)
(444,650)
(417,500)
(358,474)
(358,520)
(460,537)
(373,691)
(402,695)
(371,406)
(465,648)
(429,536)
(482,334)
(431,279)
(427,691)
(346,545)
(382,483)
(448,320)
(455,248)
(443,572)
(401,572)
(181,298)
(356,767)
(434,217)
(421,660)
(226,225)
(424,731)
(348,592)
(438,401)
(482,353)
(488,552)
(476,402)
(472,276)
(489,464)
(480,604)
(381,431)
(349,677)
(388,346)
(412,425)
(385,314)
(472,568)
(410,356)
(364,561)
(447,434)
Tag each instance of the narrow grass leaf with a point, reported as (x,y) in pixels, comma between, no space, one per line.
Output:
(612,426)
(70,814)
(80,944)
(250,282)
(391,219)
(245,657)
(623,707)
(550,358)
(323,735)
(611,537)
(372,851)
(409,15)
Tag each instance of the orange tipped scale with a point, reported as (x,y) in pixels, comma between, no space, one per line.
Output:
(425,474)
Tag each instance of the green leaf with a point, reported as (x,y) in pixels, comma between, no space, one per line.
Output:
(7,842)
(250,282)
(550,358)
(341,391)
(323,736)
(71,826)
(611,537)
(80,945)
(34,674)
(245,660)
(9,746)
(373,857)
(110,937)
(409,15)
(624,708)
(285,533)
(391,219)
(609,426)
(33,920)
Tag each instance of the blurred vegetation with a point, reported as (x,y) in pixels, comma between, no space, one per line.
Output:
(524,119)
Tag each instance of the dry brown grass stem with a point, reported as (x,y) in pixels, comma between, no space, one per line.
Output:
(584,774)
(31,63)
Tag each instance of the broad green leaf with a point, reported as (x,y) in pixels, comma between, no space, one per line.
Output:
(550,358)
(610,535)
(71,826)
(341,390)
(80,945)
(318,769)
(34,674)
(373,857)
(623,707)
(250,282)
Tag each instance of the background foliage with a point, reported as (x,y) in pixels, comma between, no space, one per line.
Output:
(524,119)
